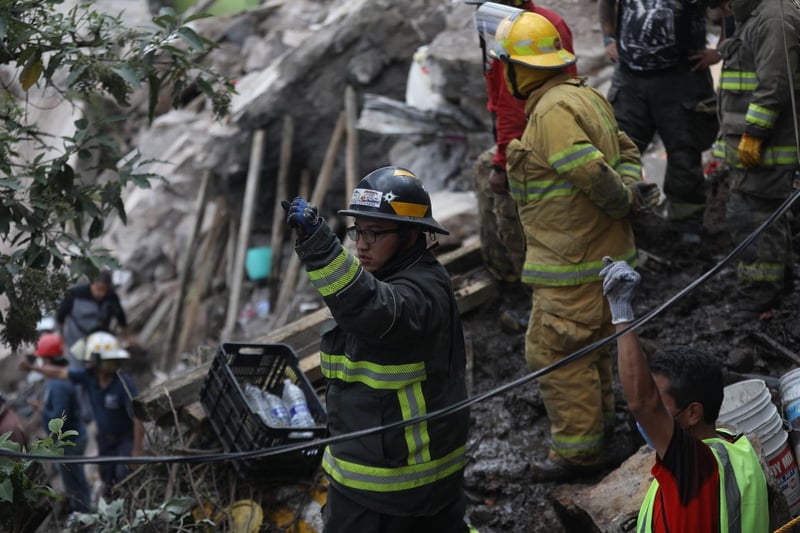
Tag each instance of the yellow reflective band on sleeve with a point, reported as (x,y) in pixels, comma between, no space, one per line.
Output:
(533,191)
(629,169)
(573,157)
(412,404)
(336,275)
(570,275)
(772,156)
(779,155)
(380,479)
(373,375)
(760,116)
(719,150)
(409,210)
(734,80)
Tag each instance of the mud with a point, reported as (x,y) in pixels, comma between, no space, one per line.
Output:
(511,430)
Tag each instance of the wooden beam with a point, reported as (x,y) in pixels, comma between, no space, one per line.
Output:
(775,346)
(250,194)
(168,361)
(317,198)
(351,148)
(462,259)
(278,214)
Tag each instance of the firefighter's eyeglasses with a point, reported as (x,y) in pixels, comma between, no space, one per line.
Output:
(369,236)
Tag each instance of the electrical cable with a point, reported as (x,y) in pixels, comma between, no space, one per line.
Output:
(309,445)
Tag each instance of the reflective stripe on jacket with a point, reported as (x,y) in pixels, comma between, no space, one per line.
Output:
(755,95)
(743,490)
(569,174)
(394,351)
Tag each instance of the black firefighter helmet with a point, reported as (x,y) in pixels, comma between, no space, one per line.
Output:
(393,193)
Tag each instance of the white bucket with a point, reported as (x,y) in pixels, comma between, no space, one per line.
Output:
(784,468)
(790,398)
(742,398)
(790,386)
(763,416)
(769,428)
(786,381)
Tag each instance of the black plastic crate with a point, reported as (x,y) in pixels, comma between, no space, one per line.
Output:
(240,429)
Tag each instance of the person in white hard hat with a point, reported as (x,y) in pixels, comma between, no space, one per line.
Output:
(111,392)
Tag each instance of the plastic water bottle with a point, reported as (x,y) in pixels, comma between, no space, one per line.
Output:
(276,414)
(267,406)
(295,402)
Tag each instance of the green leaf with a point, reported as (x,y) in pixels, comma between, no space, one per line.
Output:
(6,491)
(55,425)
(96,228)
(12,184)
(191,38)
(127,73)
(31,74)
(155,89)
(197,16)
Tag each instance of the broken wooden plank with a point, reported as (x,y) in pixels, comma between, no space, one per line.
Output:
(153,404)
(775,346)
(250,198)
(463,258)
(171,353)
(278,214)
(317,197)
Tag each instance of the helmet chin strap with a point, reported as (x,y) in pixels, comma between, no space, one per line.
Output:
(512,78)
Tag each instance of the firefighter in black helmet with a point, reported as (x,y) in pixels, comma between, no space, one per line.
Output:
(395,351)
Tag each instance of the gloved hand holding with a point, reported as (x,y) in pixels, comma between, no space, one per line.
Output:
(302,217)
(645,196)
(619,284)
(750,150)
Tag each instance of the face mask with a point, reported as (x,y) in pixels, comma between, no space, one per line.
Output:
(644,435)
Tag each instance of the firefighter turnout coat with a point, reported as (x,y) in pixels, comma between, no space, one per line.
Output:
(755,93)
(394,350)
(568,175)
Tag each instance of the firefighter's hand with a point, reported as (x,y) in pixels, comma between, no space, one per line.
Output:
(498,181)
(705,58)
(619,284)
(750,150)
(302,216)
(645,196)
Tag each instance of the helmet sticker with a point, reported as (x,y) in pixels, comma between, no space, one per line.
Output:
(366,197)
(404,172)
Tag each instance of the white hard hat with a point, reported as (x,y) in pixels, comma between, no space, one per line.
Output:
(106,346)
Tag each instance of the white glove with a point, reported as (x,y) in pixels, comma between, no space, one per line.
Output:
(619,284)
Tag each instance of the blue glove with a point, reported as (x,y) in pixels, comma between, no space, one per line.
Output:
(302,217)
(619,284)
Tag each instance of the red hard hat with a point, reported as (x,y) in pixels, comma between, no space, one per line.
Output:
(49,345)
